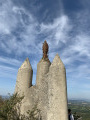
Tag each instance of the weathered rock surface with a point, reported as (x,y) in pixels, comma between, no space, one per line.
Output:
(50,91)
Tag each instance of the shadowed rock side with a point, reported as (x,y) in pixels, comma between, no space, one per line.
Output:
(50,91)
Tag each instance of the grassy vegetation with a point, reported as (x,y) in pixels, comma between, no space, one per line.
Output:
(81,109)
(10,109)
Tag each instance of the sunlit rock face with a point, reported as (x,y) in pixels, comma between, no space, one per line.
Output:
(50,91)
(57,91)
(24,78)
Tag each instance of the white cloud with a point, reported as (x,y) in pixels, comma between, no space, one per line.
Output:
(10,61)
(9,68)
(81,45)
(58,30)
(8,20)
(12,19)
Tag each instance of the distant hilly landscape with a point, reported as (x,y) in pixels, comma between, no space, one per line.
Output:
(69,100)
(80,108)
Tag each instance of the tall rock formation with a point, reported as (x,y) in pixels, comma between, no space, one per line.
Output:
(50,91)
(57,91)
(24,78)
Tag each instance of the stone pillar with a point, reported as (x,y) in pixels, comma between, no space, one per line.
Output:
(42,86)
(42,70)
(43,65)
(57,91)
(24,78)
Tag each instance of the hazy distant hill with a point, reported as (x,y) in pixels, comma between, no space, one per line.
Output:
(5,97)
(80,107)
(79,101)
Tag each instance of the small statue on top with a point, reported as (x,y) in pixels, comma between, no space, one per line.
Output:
(45,50)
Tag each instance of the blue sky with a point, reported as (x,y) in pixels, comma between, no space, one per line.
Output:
(65,24)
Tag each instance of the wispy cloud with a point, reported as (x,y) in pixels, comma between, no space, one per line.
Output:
(17,31)
(9,67)
(10,61)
